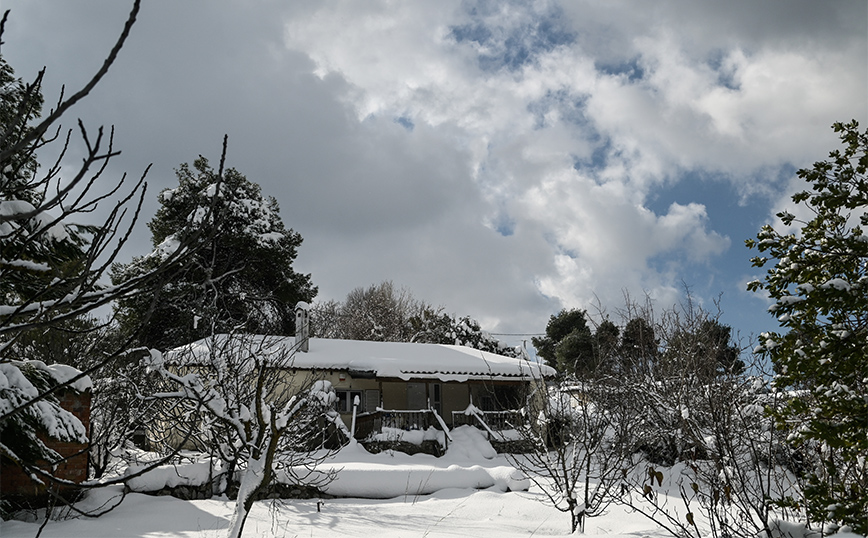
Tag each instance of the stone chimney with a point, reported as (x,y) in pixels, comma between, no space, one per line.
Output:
(302,326)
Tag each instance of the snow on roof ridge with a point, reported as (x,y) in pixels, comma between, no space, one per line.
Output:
(387,359)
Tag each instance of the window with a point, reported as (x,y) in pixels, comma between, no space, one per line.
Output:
(435,397)
(346,398)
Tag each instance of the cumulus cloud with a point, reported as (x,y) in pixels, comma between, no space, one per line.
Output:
(569,138)
(501,158)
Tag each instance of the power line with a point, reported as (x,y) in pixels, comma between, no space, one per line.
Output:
(517,334)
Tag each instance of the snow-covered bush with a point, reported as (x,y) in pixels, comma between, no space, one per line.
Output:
(22,382)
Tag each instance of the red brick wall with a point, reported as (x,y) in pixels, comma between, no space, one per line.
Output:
(16,484)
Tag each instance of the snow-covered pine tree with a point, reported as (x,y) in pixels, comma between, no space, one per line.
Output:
(52,267)
(438,327)
(242,276)
(41,261)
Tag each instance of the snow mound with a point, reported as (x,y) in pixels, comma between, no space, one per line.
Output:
(469,463)
(470,444)
(191,474)
(375,481)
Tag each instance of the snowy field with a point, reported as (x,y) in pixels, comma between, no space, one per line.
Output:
(449,512)
(471,491)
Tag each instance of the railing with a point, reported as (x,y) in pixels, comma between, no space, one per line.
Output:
(422,419)
(368,423)
(401,419)
(496,420)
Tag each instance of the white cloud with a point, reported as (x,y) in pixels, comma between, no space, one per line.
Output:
(524,127)
(491,156)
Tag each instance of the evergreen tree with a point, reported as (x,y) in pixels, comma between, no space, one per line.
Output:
(38,249)
(607,345)
(242,276)
(40,260)
(639,347)
(568,344)
(52,270)
(703,348)
(819,284)
(438,327)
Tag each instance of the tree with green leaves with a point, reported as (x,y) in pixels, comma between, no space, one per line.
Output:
(818,280)
(568,344)
(703,348)
(241,278)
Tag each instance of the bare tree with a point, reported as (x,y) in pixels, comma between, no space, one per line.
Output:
(712,462)
(381,312)
(577,447)
(53,268)
(237,398)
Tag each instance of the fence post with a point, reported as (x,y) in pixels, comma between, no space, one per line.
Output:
(355,408)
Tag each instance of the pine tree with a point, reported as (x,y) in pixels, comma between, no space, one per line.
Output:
(52,269)
(38,248)
(568,344)
(242,276)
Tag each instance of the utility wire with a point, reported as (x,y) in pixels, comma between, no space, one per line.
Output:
(517,334)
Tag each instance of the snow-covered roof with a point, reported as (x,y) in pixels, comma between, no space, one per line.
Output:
(401,360)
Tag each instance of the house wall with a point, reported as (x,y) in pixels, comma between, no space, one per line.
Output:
(394,394)
(18,487)
(456,397)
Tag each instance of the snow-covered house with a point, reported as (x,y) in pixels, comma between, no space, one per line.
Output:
(397,383)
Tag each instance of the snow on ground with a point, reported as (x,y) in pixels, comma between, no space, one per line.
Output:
(471,491)
(447,513)
(469,462)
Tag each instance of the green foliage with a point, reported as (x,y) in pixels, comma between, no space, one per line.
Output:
(18,107)
(23,380)
(819,285)
(704,349)
(639,347)
(568,344)
(241,277)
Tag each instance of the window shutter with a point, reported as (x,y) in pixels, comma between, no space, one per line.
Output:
(372,400)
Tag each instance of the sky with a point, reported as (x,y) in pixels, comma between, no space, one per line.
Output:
(502,159)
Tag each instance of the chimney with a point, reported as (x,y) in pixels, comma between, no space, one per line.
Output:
(302,328)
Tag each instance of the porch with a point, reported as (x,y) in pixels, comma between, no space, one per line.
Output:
(494,423)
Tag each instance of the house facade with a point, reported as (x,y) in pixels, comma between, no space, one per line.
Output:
(393,379)
(401,376)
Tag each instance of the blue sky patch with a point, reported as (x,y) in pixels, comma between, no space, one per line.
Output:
(631,68)
(405,122)
(512,33)
(504,225)
(725,77)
